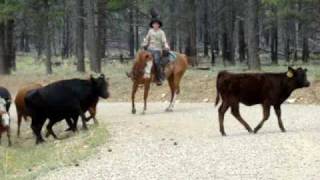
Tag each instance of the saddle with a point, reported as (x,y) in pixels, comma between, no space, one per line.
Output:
(168,57)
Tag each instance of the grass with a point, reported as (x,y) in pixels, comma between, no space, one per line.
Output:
(24,160)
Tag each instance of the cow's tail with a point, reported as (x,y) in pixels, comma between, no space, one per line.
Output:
(217,87)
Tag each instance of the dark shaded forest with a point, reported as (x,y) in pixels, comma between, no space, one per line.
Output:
(92,32)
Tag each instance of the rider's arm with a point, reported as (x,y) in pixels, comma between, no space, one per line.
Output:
(146,40)
(164,41)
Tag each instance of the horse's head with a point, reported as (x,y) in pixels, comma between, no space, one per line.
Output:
(143,64)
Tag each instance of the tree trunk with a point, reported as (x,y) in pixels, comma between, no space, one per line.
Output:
(206,40)
(3,64)
(79,35)
(193,33)
(274,37)
(66,39)
(305,49)
(131,33)
(48,32)
(253,33)
(10,45)
(92,38)
(102,26)
(241,41)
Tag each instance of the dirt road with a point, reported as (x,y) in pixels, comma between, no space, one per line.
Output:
(186,144)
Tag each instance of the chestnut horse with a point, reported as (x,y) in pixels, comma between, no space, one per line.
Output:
(143,73)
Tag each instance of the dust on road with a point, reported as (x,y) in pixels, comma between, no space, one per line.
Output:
(186,144)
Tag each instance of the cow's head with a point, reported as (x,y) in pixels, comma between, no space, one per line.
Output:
(299,75)
(4,115)
(101,85)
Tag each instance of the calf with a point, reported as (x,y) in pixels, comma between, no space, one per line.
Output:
(5,94)
(4,120)
(268,89)
(20,103)
(66,99)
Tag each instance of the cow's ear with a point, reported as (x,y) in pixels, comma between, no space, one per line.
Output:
(290,72)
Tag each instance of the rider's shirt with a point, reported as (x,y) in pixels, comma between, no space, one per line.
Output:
(156,40)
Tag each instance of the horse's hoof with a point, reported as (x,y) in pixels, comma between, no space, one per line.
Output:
(169,110)
(133,111)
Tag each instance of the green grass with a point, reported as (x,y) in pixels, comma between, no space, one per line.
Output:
(25,160)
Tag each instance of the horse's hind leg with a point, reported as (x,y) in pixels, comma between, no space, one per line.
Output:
(145,96)
(173,94)
(134,90)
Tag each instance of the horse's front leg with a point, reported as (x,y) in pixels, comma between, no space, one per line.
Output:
(134,90)
(146,93)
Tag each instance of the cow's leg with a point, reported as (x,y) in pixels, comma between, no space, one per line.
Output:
(0,136)
(277,109)
(93,112)
(266,114)
(235,112)
(19,117)
(83,118)
(49,129)
(71,125)
(134,90)
(9,136)
(36,126)
(145,95)
(222,110)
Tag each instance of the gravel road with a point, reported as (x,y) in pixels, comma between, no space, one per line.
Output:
(186,144)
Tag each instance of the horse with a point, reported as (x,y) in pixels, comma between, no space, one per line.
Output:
(143,73)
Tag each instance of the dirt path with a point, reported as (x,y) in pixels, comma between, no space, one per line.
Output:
(186,144)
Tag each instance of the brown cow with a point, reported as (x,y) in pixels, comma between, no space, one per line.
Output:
(20,104)
(268,89)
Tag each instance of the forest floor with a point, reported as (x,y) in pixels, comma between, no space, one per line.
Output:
(196,86)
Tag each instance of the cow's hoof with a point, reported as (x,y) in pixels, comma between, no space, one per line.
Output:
(69,129)
(223,134)
(47,134)
(283,130)
(255,130)
(143,112)
(40,141)
(85,128)
(250,131)
(133,111)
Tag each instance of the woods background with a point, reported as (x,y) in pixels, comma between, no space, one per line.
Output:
(93,32)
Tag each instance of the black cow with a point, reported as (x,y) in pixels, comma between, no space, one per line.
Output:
(268,89)
(5,94)
(66,99)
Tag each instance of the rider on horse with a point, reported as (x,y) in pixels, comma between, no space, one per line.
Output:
(156,43)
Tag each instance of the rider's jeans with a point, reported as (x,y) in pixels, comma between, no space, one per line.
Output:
(157,59)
